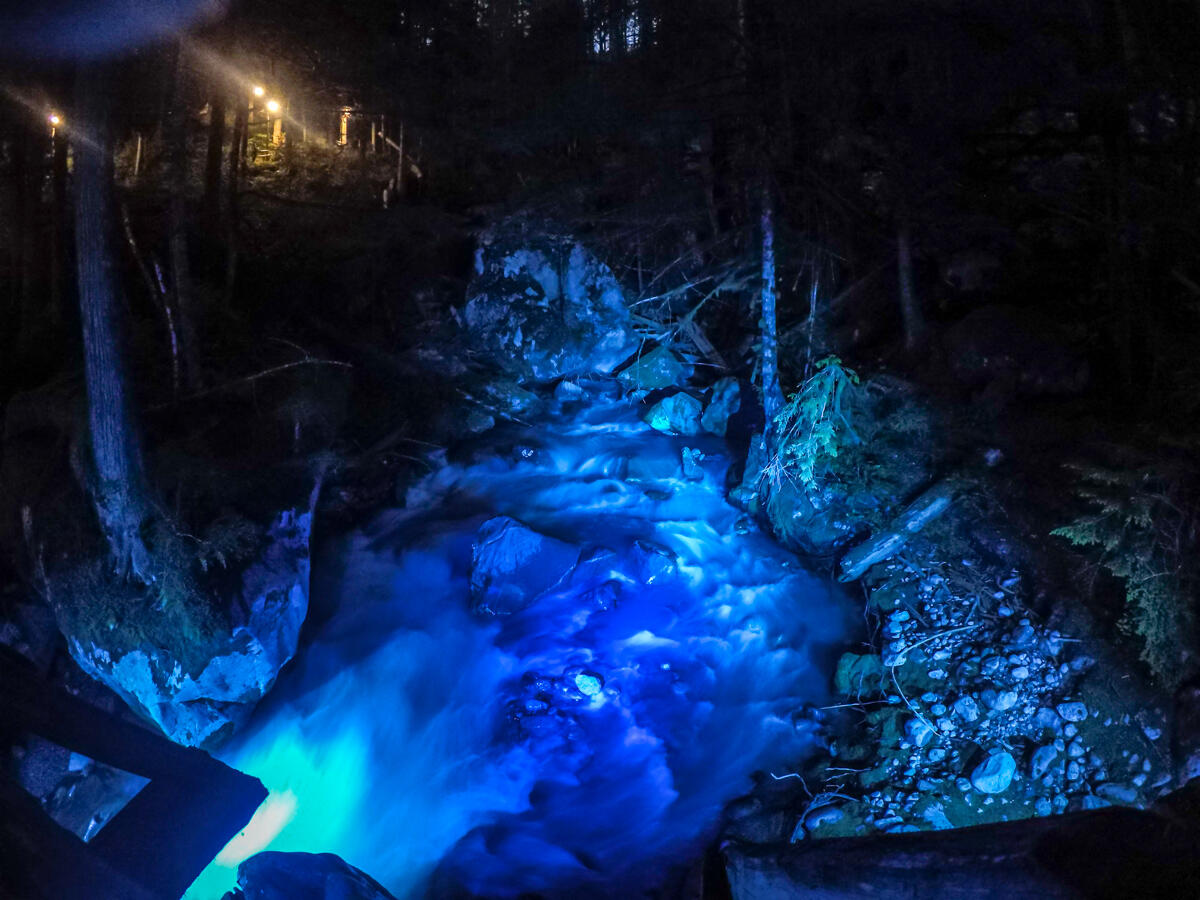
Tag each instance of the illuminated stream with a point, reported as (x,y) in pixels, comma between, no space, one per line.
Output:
(579,747)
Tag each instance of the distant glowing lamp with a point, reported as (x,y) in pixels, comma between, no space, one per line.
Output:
(54,119)
(273,106)
(258,90)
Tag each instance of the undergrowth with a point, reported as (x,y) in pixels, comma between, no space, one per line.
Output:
(1141,527)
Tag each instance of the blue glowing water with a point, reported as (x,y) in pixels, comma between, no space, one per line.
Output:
(579,747)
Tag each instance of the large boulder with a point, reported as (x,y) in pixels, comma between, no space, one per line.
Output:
(268,611)
(543,307)
(305,876)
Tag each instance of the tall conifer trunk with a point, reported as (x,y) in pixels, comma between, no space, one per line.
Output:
(121,492)
(772,393)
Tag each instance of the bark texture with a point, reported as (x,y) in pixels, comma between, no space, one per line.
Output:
(120,491)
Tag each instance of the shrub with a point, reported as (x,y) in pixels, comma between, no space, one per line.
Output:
(1140,528)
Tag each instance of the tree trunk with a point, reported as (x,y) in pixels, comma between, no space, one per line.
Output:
(26,163)
(772,394)
(212,164)
(58,232)
(240,121)
(181,278)
(120,492)
(910,305)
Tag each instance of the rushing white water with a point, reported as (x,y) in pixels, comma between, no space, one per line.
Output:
(578,747)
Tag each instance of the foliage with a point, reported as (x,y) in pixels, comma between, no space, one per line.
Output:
(1141,533)
(812,425)
(179,611)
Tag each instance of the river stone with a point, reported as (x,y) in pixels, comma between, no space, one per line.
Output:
(512,565)
(1043,757)
(918,732)
(966,708)
(676,414)
(724,400)
(1072,712)
(269,609)
(994,774)
(653,370)
(543,307)
(305,876)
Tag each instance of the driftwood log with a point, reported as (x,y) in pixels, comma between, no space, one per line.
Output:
(883,546)
(1116,853)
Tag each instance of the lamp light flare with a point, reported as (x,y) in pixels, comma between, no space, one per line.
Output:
(54,119)
(273,106)
(258,90)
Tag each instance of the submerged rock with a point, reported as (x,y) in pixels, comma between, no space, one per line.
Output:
(202,709)
(543,307)
(305,876)
(512,565)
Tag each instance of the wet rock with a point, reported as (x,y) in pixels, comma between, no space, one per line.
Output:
(305,876)
(511,565)
(1000,701)
(651,562)
(1043,758)
(194,710)
(1072,712)
(653,370)
(918,732)
(724,400)
(543,307)
(1118,793)
(966,709)
(676,414)
(994,774)
(822,815)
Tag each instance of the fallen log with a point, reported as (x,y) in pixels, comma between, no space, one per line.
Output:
(156,845)
(1116,852)
(883,546)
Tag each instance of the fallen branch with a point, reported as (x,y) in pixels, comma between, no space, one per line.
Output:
(887,544)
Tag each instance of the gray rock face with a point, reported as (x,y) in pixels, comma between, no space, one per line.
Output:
(201,710)
(305,876)
(994,774)
(543,307)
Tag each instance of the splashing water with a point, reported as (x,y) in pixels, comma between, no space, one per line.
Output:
(584,744)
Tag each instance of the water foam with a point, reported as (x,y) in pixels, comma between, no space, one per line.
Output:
(579,747)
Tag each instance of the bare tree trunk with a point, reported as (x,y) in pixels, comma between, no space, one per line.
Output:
(212,163)
(181,278)
(25,165)
(240,121)
(58,232)
(772,394)
(121,492)
(910,305)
